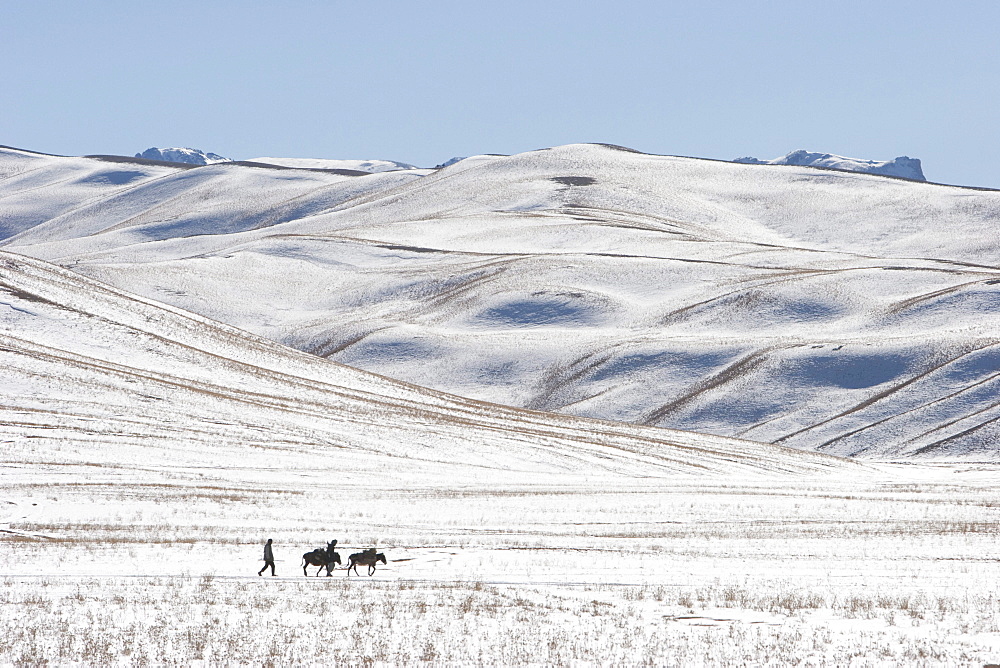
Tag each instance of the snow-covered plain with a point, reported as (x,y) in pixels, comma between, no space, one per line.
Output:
(849,313)
(149,452)
(152,565)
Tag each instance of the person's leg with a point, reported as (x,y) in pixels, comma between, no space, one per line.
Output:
(272,569)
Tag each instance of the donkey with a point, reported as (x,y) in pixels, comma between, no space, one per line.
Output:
(368,558)
(322,558)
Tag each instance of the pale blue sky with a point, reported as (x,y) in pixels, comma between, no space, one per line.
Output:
(421,82)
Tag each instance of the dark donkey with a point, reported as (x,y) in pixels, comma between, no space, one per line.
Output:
(322,558)
(367,558)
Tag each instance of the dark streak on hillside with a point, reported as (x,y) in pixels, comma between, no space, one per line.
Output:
(574,181)
(142,161)
(267,165)
(557,379)
(333,346)
(923,406)
(875,398)
(735,371)
(960,435)
(930,296)
(411,249)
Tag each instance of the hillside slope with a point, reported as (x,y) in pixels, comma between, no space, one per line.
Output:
(95,376)
(850,313)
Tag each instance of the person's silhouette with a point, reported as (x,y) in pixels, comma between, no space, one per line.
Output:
(268,558)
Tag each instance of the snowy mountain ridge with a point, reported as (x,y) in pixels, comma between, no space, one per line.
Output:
(903,166)
(189,156)
(856,315)
(370,166)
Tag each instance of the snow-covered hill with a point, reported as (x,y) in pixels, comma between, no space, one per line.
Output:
(831,310)
(190,156)
(97,375)
(370,166)
(903,166)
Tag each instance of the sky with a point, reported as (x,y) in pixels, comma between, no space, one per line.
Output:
(421,82)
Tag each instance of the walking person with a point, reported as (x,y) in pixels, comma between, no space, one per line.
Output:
(268,558)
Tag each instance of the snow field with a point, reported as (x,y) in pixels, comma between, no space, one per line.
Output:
(889,567)
(215,621)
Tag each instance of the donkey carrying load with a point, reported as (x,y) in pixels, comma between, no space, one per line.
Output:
(367,558)
(324,558)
